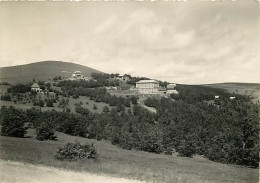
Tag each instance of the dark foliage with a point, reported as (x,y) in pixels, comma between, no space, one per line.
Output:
(226,133)
(45,132)
(76,151)
(12,121)
(6,97)
(49,102)
(19,88)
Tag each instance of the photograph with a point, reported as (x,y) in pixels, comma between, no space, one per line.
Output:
(129,91)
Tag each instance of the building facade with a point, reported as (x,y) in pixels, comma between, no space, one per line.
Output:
(35,87)
(147,86)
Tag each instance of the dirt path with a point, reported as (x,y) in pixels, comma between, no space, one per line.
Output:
(16,172)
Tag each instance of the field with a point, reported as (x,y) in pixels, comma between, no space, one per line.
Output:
(86,103)
(117,162)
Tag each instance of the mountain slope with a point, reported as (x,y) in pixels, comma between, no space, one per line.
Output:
(250,89)
(41,71)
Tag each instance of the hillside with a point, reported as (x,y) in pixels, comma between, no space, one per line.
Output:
(249,89)
(41,71)
(116,162)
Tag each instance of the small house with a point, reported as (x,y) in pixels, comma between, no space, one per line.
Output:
(35,87)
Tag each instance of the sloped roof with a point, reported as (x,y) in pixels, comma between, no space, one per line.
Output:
(147,81)
(35,85)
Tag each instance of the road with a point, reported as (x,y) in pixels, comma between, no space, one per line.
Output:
(16,172)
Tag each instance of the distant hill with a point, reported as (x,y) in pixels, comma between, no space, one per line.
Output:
(250,89)
(43,71)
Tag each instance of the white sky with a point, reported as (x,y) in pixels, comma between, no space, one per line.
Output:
(184,42)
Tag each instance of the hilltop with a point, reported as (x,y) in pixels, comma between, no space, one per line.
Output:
(44,70)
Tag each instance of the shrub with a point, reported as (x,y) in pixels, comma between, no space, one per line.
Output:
(105,109)
(6,97)
(186,148)
(41,103)
(45,132)
(75,151)
(49,103)
(94,107)
(12,121)
(75,96)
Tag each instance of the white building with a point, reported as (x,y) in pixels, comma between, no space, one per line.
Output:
(35,87)
(147,86)
(171,86)
(171,89)
(77,75)
(172,92)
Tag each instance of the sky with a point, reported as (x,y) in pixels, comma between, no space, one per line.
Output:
(192,42)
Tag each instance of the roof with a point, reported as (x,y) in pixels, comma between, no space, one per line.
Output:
(171,85)
(35,85)
(147,81)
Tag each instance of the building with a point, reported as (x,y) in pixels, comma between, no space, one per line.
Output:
(162,90)
(123,78)
(171,86)
(171,89)
(35,87)
(147,86)
(77,75)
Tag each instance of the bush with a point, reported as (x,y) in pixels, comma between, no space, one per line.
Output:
(105,109)
(41,103)
(186,148)
(45,132)
(49,103)
(12,121)
(6,97)
(94,107)
(75,151)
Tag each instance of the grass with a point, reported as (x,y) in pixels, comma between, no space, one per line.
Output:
(118,162)
(83,99)
(250,89)
(43,71)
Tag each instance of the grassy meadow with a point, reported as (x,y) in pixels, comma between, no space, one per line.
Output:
(249,89)
(86,103)
(118,162)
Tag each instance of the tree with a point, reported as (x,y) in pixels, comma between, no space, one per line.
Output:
(134,100)
(45,132)
(127,103)
(106,109)
(49,103)
(94,107)
(12,122)
(41,103)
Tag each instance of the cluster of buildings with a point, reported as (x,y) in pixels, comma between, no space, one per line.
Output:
(152,87)
(77,75)
(142,86)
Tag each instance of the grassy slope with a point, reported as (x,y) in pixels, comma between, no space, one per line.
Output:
(123,163)
(83,99)
(250,89)
(41,71)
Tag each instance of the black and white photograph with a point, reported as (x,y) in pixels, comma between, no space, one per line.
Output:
(129,91)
